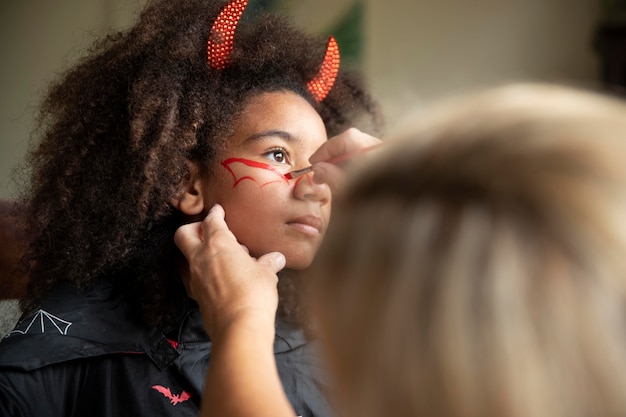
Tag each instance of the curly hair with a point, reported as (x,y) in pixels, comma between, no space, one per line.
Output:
(117,131)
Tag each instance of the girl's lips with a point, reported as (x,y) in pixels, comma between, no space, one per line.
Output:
(310,225)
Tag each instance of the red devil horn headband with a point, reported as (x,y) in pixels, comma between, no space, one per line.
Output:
(325,78)
(222,35)
(221,40)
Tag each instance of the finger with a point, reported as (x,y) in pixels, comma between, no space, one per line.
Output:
(245,248)
(333,147)
(218,237)
(325,173)
(348,141)
(215,222)
(274,260)
(188,236)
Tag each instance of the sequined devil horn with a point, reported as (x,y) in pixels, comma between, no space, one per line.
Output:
(222,35)
(324,80)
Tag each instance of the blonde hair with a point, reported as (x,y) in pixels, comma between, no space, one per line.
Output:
(477,266)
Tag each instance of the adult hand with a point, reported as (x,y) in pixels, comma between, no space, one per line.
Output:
(238,297)
(349,141)
(229,285)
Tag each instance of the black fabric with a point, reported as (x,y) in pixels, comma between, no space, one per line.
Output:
(86,355)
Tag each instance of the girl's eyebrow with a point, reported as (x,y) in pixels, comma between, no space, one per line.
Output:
(276,133)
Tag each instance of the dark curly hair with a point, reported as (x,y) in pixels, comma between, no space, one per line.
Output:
(116,133)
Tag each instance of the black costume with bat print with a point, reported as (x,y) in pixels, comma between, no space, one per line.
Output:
(89,357)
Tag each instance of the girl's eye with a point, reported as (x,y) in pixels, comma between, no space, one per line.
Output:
(278,155)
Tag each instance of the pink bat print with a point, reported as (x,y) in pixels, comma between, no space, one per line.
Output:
(174,398)
(261,173)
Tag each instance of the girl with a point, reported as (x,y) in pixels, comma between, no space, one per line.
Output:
(188,108)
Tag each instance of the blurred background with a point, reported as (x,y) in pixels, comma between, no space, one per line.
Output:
(411,51)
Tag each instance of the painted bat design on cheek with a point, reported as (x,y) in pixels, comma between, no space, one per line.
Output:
(258,172)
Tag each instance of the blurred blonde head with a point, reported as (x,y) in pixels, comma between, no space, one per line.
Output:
(477,266)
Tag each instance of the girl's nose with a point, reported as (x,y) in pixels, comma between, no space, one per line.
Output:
(306,189)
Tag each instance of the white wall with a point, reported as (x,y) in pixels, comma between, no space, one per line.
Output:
(420,50)
(37,39)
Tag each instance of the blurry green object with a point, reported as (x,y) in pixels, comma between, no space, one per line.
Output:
(257,7)
(348,29)
(349,33)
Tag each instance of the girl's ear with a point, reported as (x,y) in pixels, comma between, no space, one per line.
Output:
(190,200)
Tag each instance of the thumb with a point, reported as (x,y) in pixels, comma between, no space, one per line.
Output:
(325,173)
(187,237)
(274,260)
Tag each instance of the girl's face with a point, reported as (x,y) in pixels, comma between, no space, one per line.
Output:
(276,133)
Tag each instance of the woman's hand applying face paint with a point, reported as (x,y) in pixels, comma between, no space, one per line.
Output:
(349,141)
(229,285)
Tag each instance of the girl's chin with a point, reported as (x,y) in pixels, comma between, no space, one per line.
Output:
(297,258)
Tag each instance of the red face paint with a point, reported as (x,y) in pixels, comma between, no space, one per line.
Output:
(238,169)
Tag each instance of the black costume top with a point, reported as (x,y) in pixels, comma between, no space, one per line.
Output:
(88,355)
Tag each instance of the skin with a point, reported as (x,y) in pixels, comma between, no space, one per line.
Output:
(349,141)
(238,301)
(237,296)
(276,133)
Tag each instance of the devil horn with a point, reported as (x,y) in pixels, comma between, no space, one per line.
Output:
(323,82)
(222,35)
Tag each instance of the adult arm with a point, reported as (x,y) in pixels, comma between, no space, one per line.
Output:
(238,297)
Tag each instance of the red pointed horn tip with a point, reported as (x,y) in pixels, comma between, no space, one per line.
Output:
(222,35)
(323,82)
